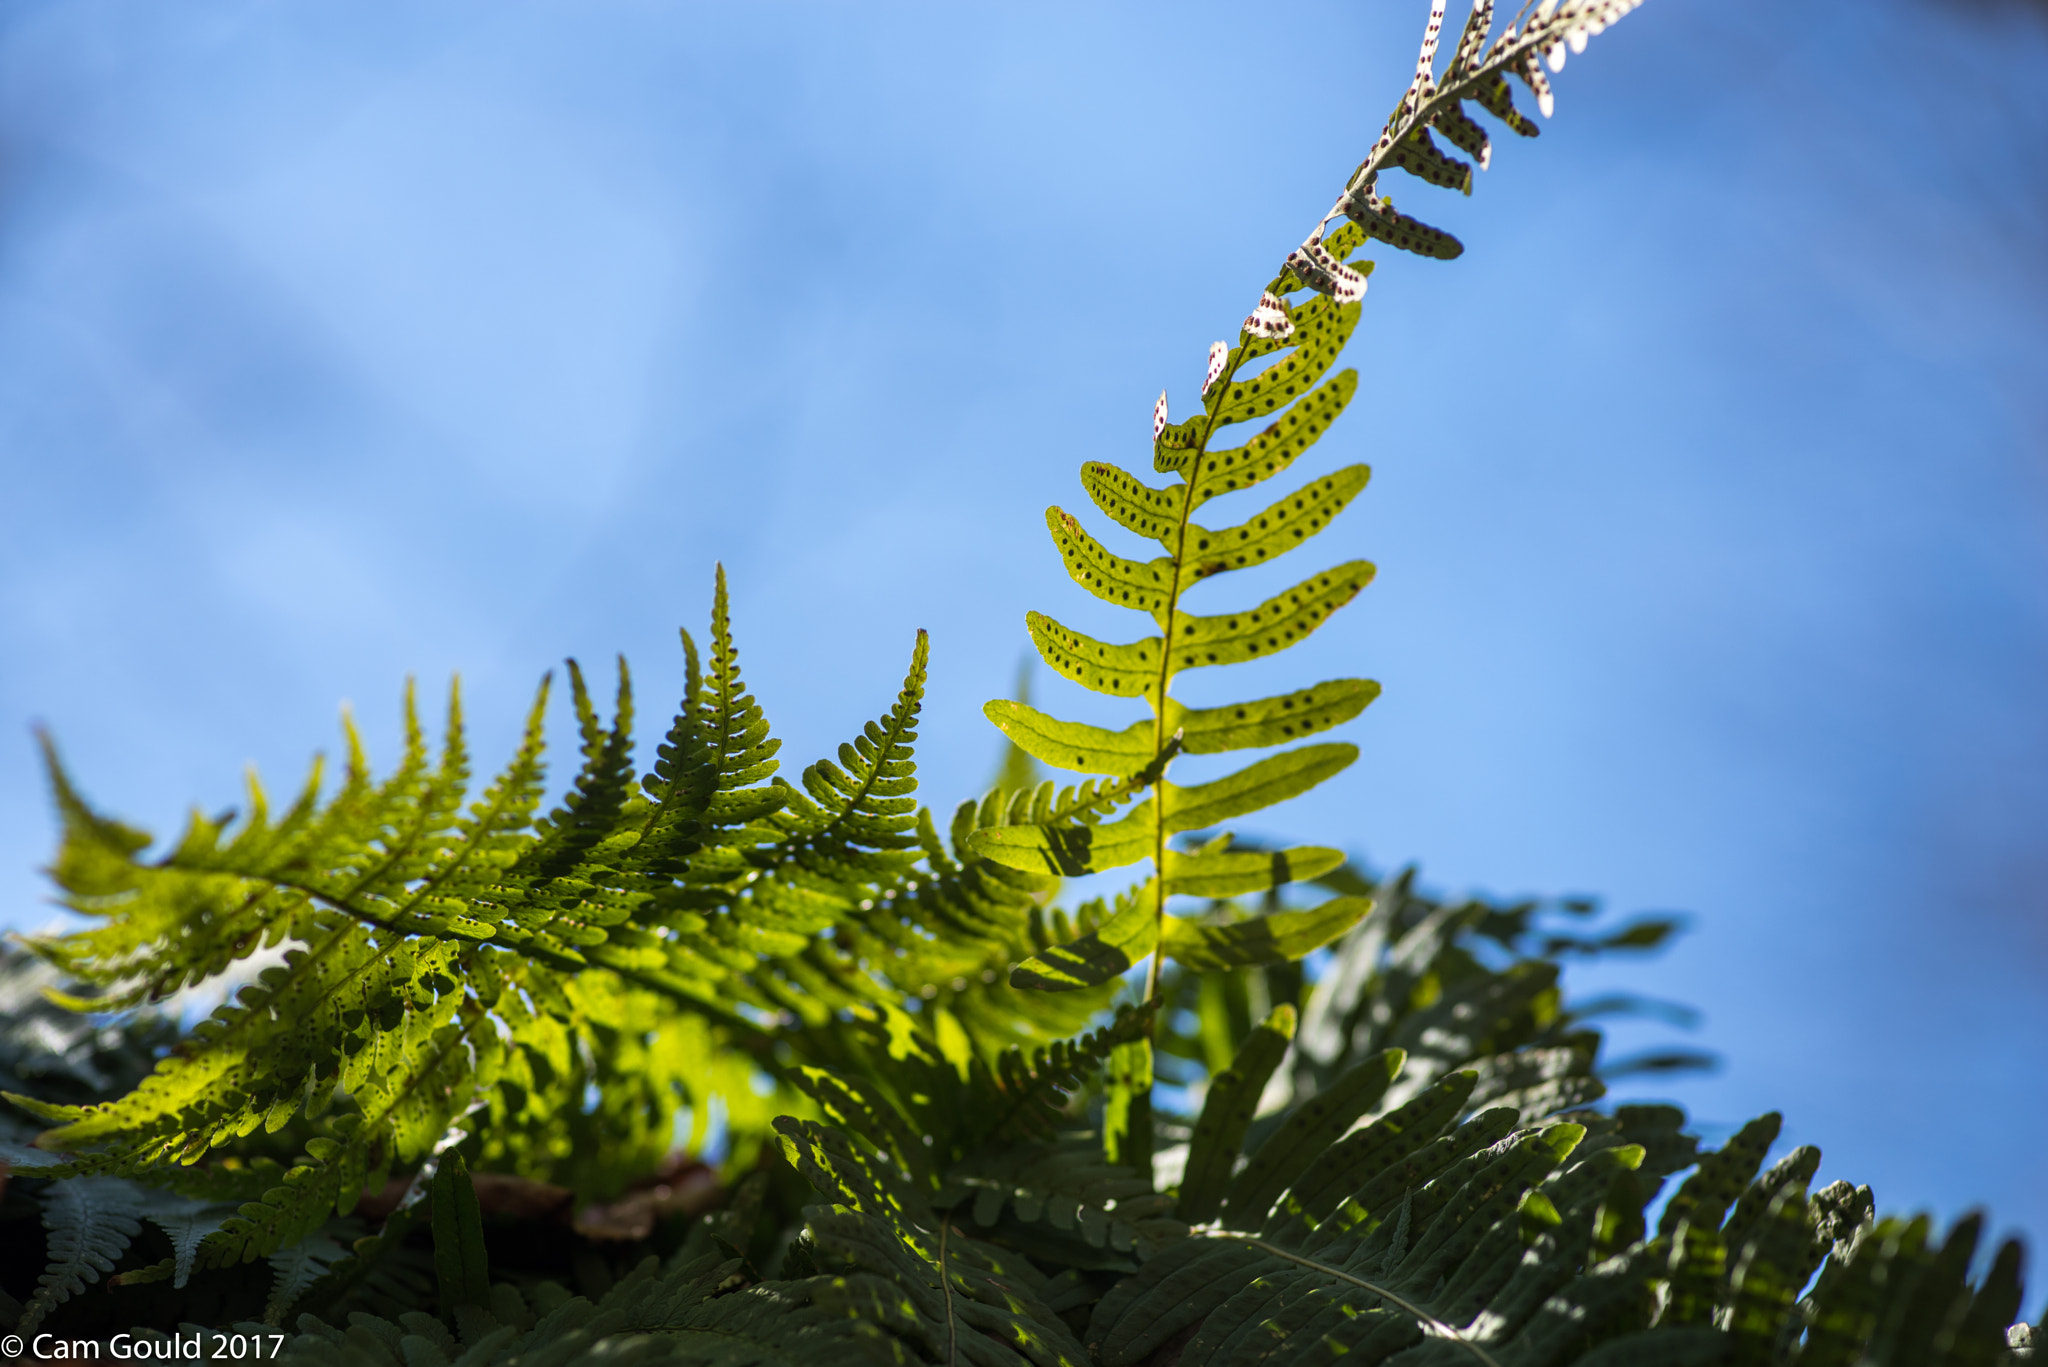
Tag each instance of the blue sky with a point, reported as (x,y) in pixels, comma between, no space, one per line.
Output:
(345,342)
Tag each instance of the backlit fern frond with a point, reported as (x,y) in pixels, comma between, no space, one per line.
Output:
(1392,1155)
(1135,759)
(446,951)
(930,1099)
(1279,373)
(1435,103)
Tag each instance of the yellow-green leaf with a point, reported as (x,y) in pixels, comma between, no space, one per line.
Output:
(1234,637)
(1317,342)
(1276,448)
(1258,786)
(1128,671)
(1072,745)
(1269,721)
(1228,873)
(1150,512)
(1140,584)
(1069,851)
(1275,531)
(1280,938)
(1096,957)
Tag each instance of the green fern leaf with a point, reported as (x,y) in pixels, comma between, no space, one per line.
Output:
(1227,1113)
(1091,1210)
(855,1104)
(188,1222)
(1310,337)
(1275,530)
(1072,745)
(1126,671)
(91,1221)
(295,1268)
(1278,938)
(1706,1195)
(1313,351)
(1309,1129)
(1276,448)
(1404,1146)
(453,952)
(1286,619)
(1260,785)
(1097,957)
(1273,721)
(1218,871)
(703,1309)
(461,1264)
(960,1296)
(1774,1263)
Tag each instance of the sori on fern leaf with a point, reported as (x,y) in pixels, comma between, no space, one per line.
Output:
(1277,372)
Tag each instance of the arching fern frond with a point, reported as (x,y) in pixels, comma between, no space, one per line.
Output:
(1278,372)
(444,951)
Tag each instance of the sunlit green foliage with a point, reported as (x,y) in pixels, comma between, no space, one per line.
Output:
(463,1034)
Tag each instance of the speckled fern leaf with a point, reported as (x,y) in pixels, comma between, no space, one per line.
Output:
(1279,374)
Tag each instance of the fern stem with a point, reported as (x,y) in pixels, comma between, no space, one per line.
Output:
(1423,1315)
(946,1287)
(1219,388)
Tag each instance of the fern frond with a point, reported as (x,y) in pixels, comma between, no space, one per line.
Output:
(1367,1281)
(1062,1203)
(1308,340)
(1495,1242)
(447,950)
(91,1221)
(295,1268)
(929,1098)
(985,1304)
(1275,371)
(845,837)
(57,1059)
(703,1308)
(187,1222)
(1476,75)
(1227,1112)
